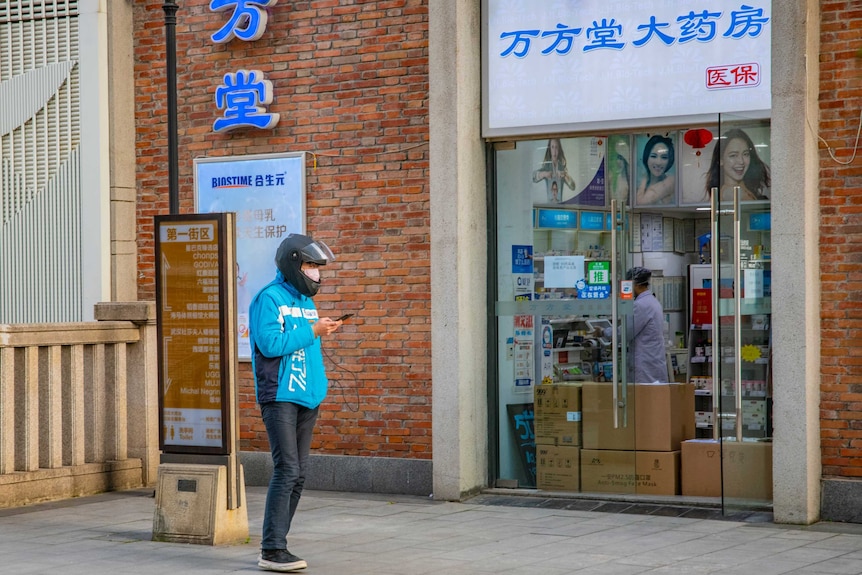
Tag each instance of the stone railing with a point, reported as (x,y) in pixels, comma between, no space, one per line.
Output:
(79,405)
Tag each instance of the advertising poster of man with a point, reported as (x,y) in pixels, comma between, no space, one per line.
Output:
(656,169)
(618,168)
(568,171)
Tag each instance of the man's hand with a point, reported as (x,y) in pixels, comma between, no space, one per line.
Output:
(325,326)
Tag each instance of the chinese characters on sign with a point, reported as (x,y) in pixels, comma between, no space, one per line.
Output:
(522,259)
(700,26)
(701,306)
(248,21)
(735,76)
(522,270)
(191,334)
(523,352)
(599,273)
(244,95)
(563,271)
(588,62)
(607,33)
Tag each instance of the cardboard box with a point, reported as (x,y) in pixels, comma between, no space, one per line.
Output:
(663,417)
(647,472)
(747,469)
(701,468)
(657,472)
(598,426)
(558,468)
(557,414)
(608,471)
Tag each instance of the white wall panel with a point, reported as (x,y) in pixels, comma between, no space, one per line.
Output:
(41,279)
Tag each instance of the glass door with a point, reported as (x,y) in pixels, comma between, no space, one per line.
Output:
(562,398)
(741,266)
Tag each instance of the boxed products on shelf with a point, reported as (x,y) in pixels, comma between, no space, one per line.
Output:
(703,419)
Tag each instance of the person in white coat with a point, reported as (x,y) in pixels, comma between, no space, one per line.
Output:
(648,345)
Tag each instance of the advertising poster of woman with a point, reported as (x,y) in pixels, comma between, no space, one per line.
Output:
(739,156)
(741,159)
(568,171)
(656,170)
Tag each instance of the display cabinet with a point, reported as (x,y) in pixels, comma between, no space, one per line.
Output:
(751,342)
(576,352)
(700,376)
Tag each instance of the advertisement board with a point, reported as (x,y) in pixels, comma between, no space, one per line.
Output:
(195,301)
(267,193)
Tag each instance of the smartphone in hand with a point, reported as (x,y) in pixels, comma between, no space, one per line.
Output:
(344,317)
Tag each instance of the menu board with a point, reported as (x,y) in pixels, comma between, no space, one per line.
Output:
(192,314)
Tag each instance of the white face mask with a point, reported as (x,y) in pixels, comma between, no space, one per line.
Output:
(313,274)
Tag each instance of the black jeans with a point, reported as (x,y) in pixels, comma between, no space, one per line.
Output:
(289,427)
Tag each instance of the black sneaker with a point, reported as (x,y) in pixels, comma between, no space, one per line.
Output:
(280,560)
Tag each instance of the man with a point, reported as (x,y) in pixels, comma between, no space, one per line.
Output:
(650,358)
(290,383)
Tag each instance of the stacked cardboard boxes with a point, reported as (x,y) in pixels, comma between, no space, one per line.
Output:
(557,414)
(557,420)
(746,466)
(640,451)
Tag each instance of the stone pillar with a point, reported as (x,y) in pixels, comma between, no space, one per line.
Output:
(458,251)
(121,83)
(795,261)
(142,381)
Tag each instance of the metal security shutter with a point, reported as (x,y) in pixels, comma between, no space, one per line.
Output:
(40,189)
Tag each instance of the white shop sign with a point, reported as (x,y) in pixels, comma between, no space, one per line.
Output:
(566,65)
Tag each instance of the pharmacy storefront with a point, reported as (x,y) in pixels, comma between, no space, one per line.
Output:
(631,151)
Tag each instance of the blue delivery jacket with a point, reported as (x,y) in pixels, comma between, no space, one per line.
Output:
(286,358)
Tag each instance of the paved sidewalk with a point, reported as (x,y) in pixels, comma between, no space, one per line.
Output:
(353,534)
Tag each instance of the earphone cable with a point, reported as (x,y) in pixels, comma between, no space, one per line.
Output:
(338,382)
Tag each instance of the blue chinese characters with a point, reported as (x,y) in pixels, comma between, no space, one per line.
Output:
(607,33)
(244,95)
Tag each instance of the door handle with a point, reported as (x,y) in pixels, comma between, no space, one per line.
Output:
(716,350)
(614,316)
(737,313)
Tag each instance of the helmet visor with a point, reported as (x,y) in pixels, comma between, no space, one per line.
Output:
(317,252)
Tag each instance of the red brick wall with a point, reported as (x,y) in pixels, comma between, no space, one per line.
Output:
(841,239)
(350,81)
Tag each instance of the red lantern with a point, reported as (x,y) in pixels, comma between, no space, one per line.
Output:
(698,138)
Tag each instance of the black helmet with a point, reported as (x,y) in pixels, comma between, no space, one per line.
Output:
(293,251)
(639,275)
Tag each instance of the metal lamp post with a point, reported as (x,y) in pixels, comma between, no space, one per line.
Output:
(170,9)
